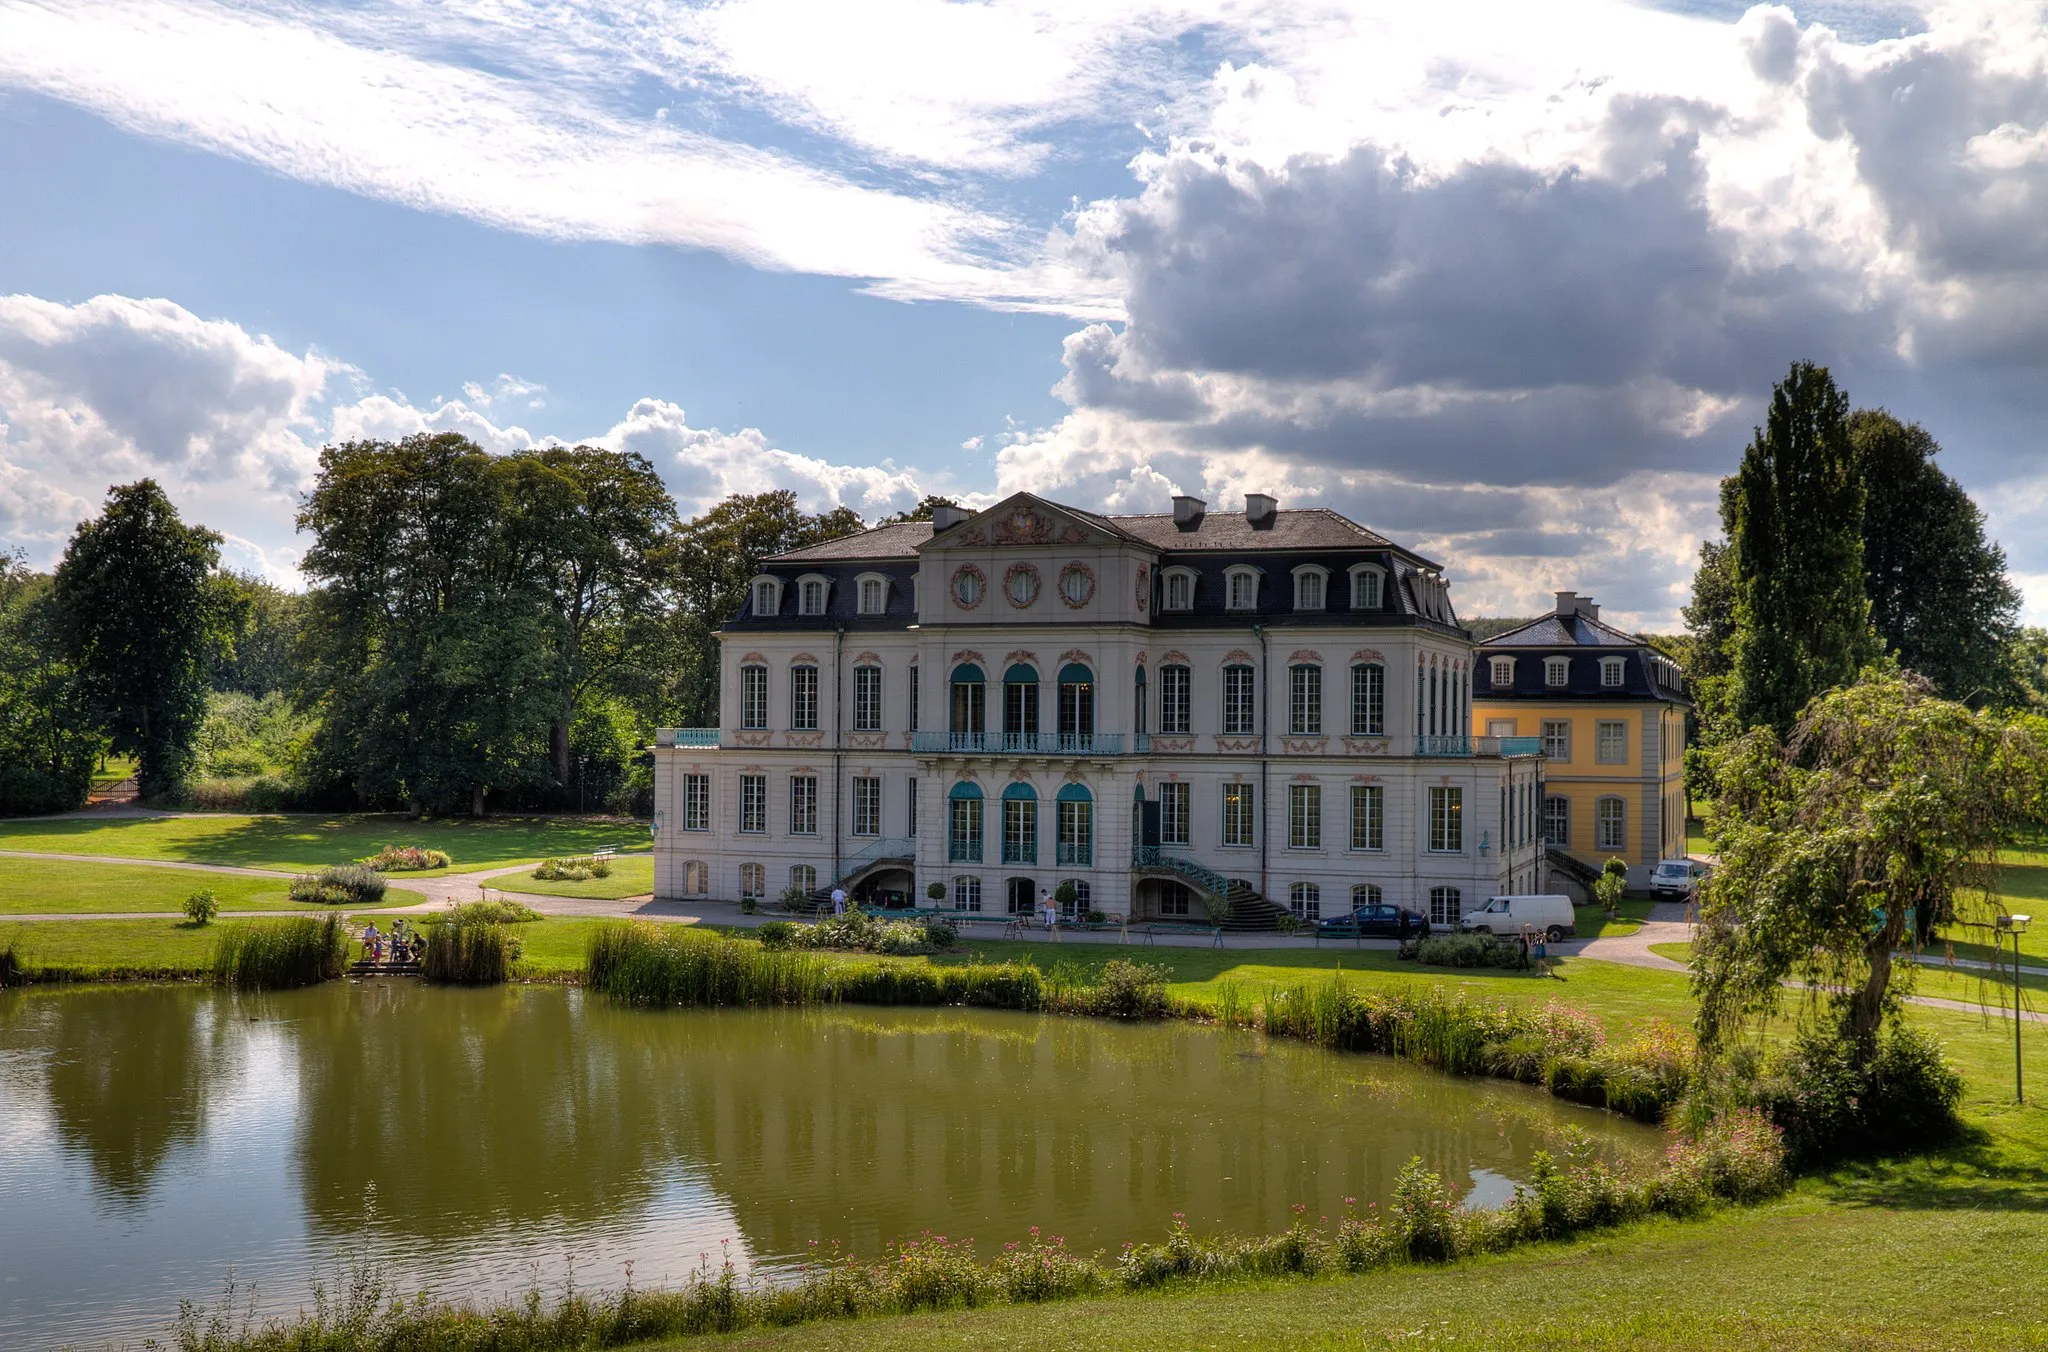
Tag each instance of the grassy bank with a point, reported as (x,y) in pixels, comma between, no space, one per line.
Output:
(60,887)
(631,876)
(306,841)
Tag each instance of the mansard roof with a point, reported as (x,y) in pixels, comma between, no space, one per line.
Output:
(1564,631)
(899,540)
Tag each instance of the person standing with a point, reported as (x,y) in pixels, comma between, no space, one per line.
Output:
(839,901)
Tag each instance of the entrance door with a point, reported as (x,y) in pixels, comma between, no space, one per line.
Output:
(1023,897)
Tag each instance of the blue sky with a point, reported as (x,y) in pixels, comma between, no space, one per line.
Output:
(1507,282)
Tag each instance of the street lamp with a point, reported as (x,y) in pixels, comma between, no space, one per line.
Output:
(2015,925)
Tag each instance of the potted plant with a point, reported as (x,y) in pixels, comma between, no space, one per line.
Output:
(1610,885)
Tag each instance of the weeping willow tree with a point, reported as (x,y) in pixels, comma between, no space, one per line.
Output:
(1878,820)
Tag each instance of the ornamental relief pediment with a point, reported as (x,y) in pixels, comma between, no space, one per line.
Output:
(1236,655)
(1016,655)
(1369,655)
(967,655)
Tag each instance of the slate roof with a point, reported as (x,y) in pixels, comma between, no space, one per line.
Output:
(1564,631)
(898,541)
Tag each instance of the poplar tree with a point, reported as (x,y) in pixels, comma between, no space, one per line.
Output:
(1802,618)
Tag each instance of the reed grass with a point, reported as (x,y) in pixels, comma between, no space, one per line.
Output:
(469,950)
(13,967)
(280,954)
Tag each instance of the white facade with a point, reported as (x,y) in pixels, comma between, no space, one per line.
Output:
(845,738)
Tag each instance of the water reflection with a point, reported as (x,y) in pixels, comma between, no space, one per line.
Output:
(463,1136)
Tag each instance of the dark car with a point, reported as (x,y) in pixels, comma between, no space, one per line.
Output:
(1380,922)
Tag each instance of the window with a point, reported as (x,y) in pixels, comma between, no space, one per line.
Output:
(874,595)
(753,697)
(913,699)
(696,877)
(1557,820)
(1557,738)
(867,806)
(1309,587)
(1444,907)
(696,802)
(1077,703)
(867,699)
(1180,589)
(1610,742)
(753,804)
(1077,585)
(1020,585)
(1306,901)
(970,700)
(1365,587)
(753,880)
(966,893)
(1176,699)
(1503,673)
(1243,588)
(803,699)
(767,597)
(1610,824)
(1175,899)
(1237,814)
(813,595)
(1021,899)
(1076,845)
(963,827)
(1368,817)
(1020,824)
(910,806)
(803,805)
(1611,669)
(1173,813)
(803,879)
(1304,816)
(1305,700)
(968,584)
(1364,894)
(1240,706)
(1084,897)
(1556,670)
(1020,707)
(1138,710)
(1368,700)
(1446,820)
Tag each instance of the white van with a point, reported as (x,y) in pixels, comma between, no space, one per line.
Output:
(1548,914)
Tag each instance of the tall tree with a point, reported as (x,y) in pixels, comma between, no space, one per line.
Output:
(1939,595)
(49,740)
(717,554)
(142,616)
(428,645)
(1802,619)
(922,512)
(266,621)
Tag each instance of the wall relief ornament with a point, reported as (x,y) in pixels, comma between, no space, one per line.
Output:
(754,660)
(1173,657)
(967,655)
(1076,655)
(1144,597)
(806,740)
(1020,585)
(804,660)
(1172,744)
(868,741)
(1024,526)
(1250,744)
(1369,655)
(867,659)
(1304,746)
(752,738)
(969,586)
(1305,655)
(1365,746)
(1236,655)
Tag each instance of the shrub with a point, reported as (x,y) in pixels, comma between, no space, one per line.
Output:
(280,954)
(467,948)
(749,906)
(935,891)
(492,911)
(1129,990)
(574,868)
(1421,1214)
(202,906)
(13,968)
(1468,950)
(407,859)
(346,885)
(255,793)
(1829,1107)
(775,934)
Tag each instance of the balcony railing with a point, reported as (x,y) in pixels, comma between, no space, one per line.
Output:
(1153,856)
(1443,746)
(1075,854)
(1019,743)
(686,736)
(1020,854)
(1478,746)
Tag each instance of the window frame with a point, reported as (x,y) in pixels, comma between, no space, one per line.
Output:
(1500,671)
(772,585)
(1240,812)
(1618,819)
(1020,836)
(754,696)
(1557,672)
(803,697)
(1562,816)
(1168,577)
(753,805)
(1247,576)
(1372,798)
(967,892)
(879,583)
(1366,894)
(1311,577)
(1446,819)
(754,881)
(1305,899)
(1305,817)
(1446,905)
(1362,573)
(1176,815)
(809,586)
(867,698)
(1613,673)
(1305,699)
(696,801)
(966,827)
(803,805)
(1240,700)
(1561,740)
(1368,699)
(867,806)
(1176,706)
(1074,828)
(1602,755)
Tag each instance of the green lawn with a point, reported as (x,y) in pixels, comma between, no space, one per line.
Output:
(311,841)
(631,876)
(32,886)
(1593,923)
(114,949)
(117,769)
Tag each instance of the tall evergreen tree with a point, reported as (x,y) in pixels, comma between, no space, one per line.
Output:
(1802,618)
(1939,595)
(143,614)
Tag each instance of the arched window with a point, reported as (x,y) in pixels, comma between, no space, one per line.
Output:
(1240,701)
(1445,907)
(963,825)
(867,699)
(1368,700)
(1179,589)
(1077,707)
(1020,708)
(966,892)
(753,881)
(1082,900)
(1364,895)
(1076,845)
(1306,901)
(1021,896)
(803,698)
(812,590)
(753,696)
(1176,699)
(1610,824)
(1310,582)
(1305,700)
(696,877)
(1175,899)
(1138,724)
(970,707)
(1020,824)
(1366,586)
(872,593)
(767,596)
(1241,587)
(803,880)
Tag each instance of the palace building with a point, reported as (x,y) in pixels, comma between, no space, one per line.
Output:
(1267,708)
(1610,711)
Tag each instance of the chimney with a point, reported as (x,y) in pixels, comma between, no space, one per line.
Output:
(1567,603)
(1259,510)
(1187,512)
(945,516)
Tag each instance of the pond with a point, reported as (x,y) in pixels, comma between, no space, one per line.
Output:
(154,1139)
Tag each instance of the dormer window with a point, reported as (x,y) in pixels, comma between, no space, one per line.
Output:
(1367,579)
(811,595)
(1556,671)
(767,596)
(1310,581)
(872,592)
(1611,669)
(1503,671)
(1179,589)
(1242,587)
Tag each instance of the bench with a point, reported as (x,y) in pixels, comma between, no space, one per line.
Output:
(1215,932)
(604,852)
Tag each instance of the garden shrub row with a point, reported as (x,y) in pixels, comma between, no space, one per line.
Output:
(1738,1159)
(573,869)
(407,859)
(343,885)
(859,932)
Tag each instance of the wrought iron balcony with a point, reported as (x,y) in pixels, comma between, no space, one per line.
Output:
(1478,746)
(686,736)
(1018,743)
